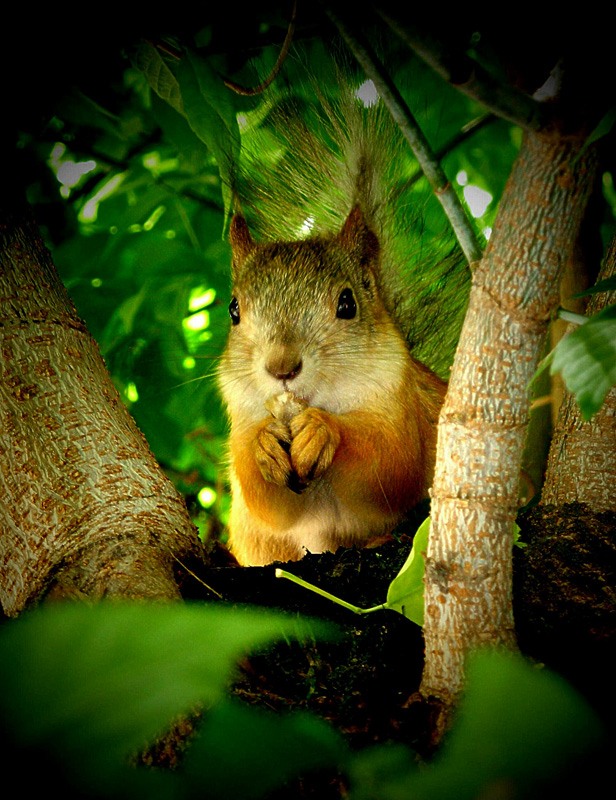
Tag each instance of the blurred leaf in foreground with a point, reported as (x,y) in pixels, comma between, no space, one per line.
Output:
(89,685)
(521,732)
(245,753)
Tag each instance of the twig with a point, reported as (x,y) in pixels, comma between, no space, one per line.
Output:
(468,130)
(571,316)
(470,78)
(444,191)
(253,90)
(196,577)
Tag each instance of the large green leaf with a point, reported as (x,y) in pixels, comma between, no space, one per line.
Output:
(586,357)
(245,753)
(90,684)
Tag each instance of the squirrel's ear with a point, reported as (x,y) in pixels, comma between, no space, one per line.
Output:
(357,237)
(242,243)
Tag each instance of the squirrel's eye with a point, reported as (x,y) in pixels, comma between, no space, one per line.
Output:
(346,305)
(234,311)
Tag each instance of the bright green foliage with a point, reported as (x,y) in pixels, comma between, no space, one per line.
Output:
(138,174)
(132,179)
(586,357)
(406,591)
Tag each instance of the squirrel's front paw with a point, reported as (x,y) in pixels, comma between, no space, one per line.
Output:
(315,439)
(272,452)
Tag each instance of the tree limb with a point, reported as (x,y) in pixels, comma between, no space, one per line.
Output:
(444,191)
(469,77)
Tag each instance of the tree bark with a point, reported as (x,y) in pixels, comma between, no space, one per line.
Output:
(484,419)
(582,459)
(84,507)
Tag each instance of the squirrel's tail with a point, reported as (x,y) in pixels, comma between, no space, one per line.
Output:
(314,154)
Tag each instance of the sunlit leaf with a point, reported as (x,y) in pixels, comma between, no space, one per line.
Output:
(406,591)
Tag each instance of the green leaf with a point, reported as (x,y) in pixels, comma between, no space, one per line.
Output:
(605,125)
(541,368)
(245,753)
(586,358)
(516,724)
(406,591)
(93,683)
(518,731)
(148,59)
(211,114)
(606,285)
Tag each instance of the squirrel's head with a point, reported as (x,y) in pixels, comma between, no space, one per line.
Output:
(305,315)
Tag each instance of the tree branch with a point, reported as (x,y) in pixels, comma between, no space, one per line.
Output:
(469,77)
(468,130)
(254,90)
(444,191)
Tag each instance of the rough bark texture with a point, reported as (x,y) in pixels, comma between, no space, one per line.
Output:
(582,460)
(84,507)
(565,596)
(484,419)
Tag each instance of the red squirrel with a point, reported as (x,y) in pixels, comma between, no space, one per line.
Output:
(333,422)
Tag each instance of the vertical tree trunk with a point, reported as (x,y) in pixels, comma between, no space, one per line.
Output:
(484,419)
(582,460)
(565,578)
(84,507)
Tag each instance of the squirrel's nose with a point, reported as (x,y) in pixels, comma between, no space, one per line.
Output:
(283,363)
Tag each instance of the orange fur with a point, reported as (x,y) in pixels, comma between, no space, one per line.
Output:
(380,467)
(357,450)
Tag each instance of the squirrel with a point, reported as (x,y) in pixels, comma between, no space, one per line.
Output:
(332,418)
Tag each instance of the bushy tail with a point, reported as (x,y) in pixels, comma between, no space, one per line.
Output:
(315,152)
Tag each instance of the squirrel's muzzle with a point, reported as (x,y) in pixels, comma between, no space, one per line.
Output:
(283,362)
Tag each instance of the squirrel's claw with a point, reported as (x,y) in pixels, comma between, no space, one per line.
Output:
(271,454)
(315,439)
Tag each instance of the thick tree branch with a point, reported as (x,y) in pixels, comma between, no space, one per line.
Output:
(85,509)
(484,419)
(581,464)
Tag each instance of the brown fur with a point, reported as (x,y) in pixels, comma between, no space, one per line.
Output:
(359,452)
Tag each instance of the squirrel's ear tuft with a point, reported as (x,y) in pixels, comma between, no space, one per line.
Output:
(357,237)
(242,243)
